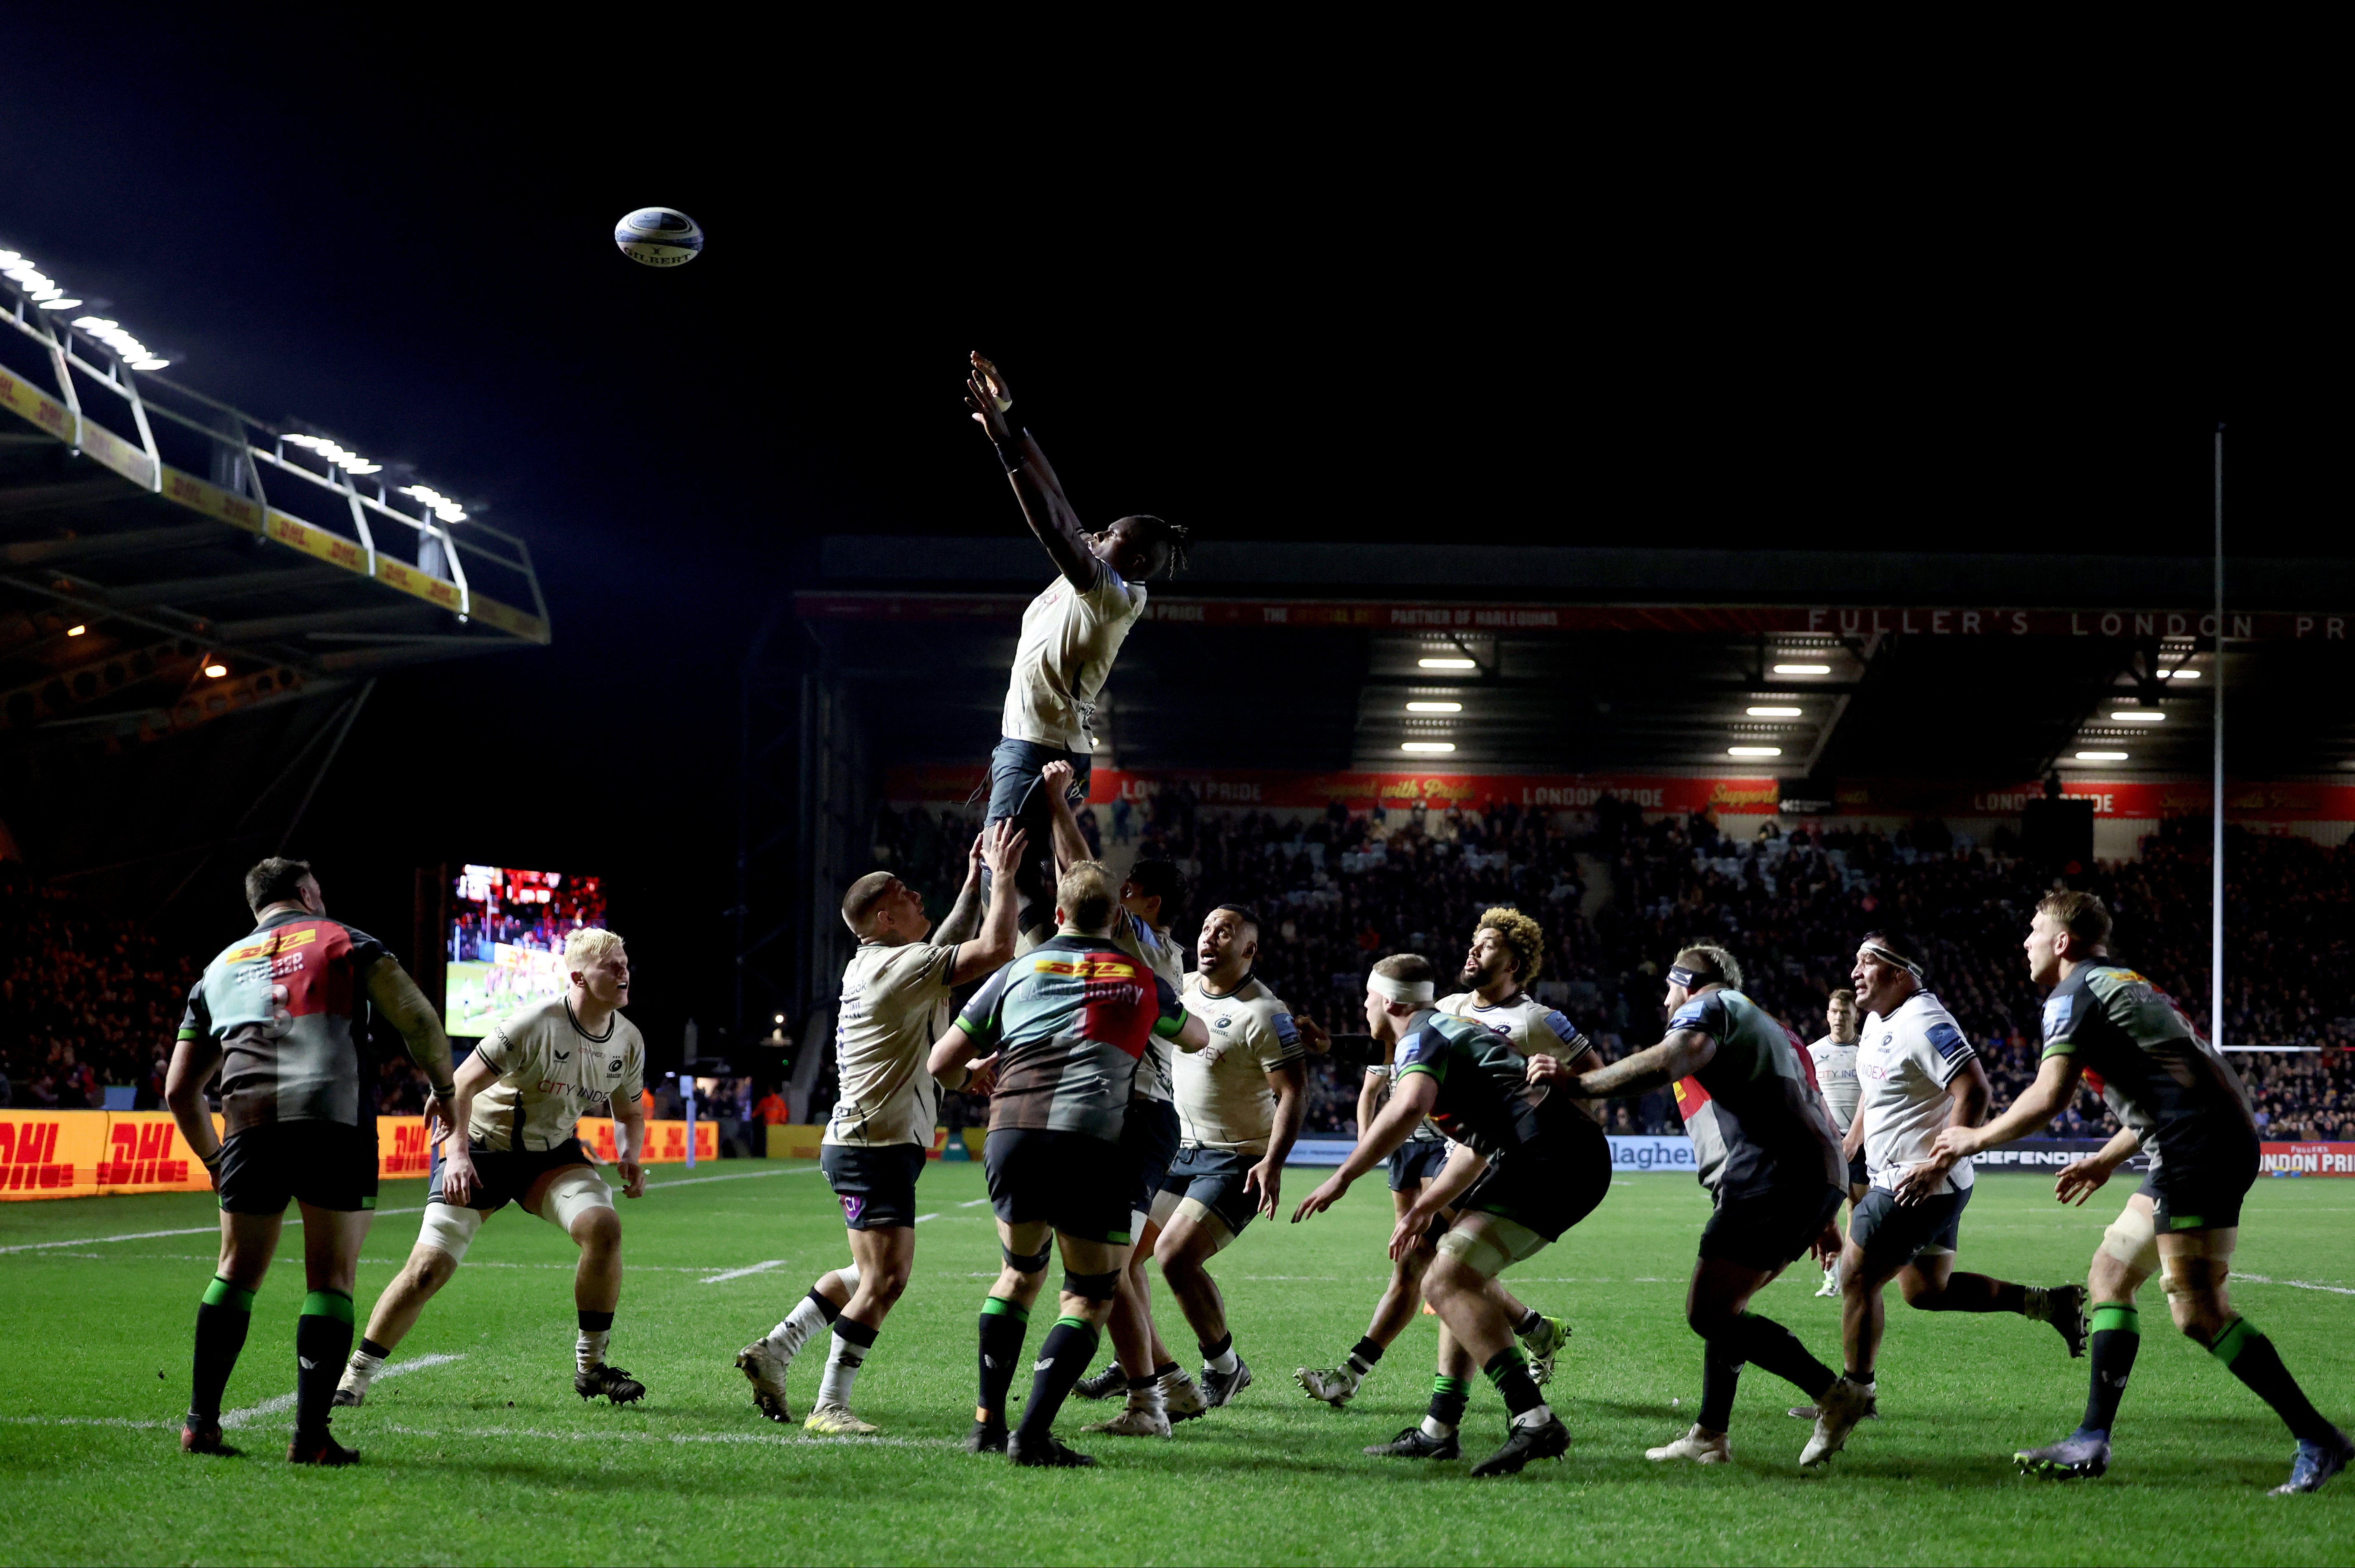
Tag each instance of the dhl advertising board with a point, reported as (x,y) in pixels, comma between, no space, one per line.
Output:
(89,1154)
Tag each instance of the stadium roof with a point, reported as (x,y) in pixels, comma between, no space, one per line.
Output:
(1990,667)
(167,564)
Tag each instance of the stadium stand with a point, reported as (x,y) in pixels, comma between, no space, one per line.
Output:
(1618,892)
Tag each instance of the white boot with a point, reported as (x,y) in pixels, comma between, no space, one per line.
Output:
(1701,1447)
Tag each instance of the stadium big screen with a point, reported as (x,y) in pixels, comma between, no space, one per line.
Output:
(506,940)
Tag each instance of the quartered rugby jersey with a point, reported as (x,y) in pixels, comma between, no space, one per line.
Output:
(1753,1112)
(1903,1064)
(2156,1073)
(1070,1021)
(551,1073)
(288,1004)
(1224,1100)
(1485,1096)
(1155,1078)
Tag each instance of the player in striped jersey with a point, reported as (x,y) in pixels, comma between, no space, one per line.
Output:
(1507,953)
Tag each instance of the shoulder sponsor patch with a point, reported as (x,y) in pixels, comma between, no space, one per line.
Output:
(1948,1042)
(1564,1030)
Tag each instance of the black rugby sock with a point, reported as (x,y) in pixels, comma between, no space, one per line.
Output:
(322,1340)
(222,1319)
(1363,1356)
(1449,1396)
(2252,1359)
(1720,1377)
(2117,1335)
(370,1348)
(1063,1359)
(1003,1325)
(1508,1369)
(1765,1343)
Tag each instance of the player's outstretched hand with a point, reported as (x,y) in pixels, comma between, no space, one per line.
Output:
(1408,1234)
(1328,1193)
(1266,1178)
(1056,779)
(2080,1180)
(634,1178)
(973,853)
(1007,842)
(1315,1038)
(992,400)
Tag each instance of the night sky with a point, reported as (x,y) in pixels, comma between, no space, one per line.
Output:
(1355,326)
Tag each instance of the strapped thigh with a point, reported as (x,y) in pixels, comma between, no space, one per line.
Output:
(1489,1249)
(450,1228)
(572,1194)
(2133,1240)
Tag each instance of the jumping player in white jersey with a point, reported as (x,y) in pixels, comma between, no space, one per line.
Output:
(1834,1059)
(1917,1074)
(1507,953)
(1070,633)
(895,1000)
(520,1098)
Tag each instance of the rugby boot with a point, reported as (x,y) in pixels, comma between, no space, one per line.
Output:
(1136,1420)
(1181,1398)
(2064,1308)
(987,1437)
(1832,1286)
(2317,1463)
(204,1436)
(1549,1439)
(1104,1385)
(2081,1454)
(1701,1447)
(1046,1451)
(836,1421)
(1836,1412)
(612,1382)
(1808,1412)
(766,1370)
(322,1449)
(1543,1343)
(1220,1388)
(1414,1442)
(347,1397)
(1334,1386)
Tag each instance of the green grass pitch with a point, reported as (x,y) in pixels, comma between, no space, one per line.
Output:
(489,1458)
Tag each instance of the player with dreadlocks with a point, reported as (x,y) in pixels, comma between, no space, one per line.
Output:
(1071,634)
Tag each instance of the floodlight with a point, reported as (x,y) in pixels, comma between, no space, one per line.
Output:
(1803,668)
(2101,756)
(1753,751)
(1427,745)
(1434,707)
(2138,715)
(1448,664)
(1774,712)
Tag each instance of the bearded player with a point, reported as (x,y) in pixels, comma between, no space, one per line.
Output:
(520,1096)
(2194,1115)
(1070,633)
(1528,1165)
(894,1003)
(1508,951)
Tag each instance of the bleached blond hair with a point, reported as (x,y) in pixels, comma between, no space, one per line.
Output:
(587,945)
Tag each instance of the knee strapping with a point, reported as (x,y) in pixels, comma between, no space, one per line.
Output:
(450,1228)
(2133,1240)
(1092,1287)
(573,1194)
(1031,1262)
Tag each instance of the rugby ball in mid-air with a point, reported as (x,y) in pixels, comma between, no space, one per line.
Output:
(659,237)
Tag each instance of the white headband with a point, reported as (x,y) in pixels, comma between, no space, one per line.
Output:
(1398,991)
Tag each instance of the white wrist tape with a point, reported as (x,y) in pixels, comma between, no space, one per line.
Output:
(1419,994)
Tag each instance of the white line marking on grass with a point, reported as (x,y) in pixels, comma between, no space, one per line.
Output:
(975,1204)
(2295,1284)
(739,1176)
(765,1439)
(233,1419)
(80,1421)
(740,1272)
(920,1219)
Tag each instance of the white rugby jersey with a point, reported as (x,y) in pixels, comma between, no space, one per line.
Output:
(551,1073)
(1224,1100)
(1535,1029)
(1903,1064)
(1070,637)
(1836,1075)
(895,1002)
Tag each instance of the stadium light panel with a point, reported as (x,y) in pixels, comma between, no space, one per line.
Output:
(1803,668)
(2179,674)
(1434,707)
(1427,745)
(2138,715)
(1753,751)
(1774,712)
(76,630)
(215,670)
(2101,756)
(1448,664)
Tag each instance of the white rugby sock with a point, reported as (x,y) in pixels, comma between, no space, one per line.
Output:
(1534,1417)
(806,1319)
(361,1369)
(1435,1428)
(1224,1361)
(1148,1397)
(842,1364)
(589,1349)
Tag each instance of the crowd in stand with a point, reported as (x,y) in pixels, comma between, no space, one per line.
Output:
(1618,894)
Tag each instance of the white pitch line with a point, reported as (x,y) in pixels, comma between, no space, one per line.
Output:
(234,1419)
(771,1439)
(920,1219)
(740,1272)
(974,1203)
(2295,1284)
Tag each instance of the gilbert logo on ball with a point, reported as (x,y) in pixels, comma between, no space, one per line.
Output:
(659,237)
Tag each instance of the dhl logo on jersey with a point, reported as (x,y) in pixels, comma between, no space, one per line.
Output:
(275,943)
(1087,969)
